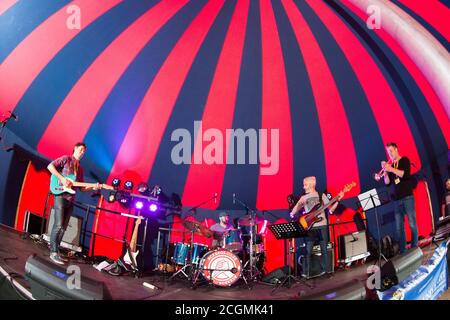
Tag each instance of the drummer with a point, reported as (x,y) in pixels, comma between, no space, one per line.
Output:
(220,229)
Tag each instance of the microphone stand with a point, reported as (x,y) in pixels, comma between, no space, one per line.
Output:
(252,221)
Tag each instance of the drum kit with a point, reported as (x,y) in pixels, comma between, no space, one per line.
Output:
(239,256)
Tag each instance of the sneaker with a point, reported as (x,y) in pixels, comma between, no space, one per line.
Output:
(56,258)
(63,258)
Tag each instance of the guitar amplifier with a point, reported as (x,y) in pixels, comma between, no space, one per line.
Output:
(352,247)
(71,238)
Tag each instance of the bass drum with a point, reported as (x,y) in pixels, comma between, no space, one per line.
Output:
(221,267)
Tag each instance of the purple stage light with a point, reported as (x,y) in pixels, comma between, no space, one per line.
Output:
(139,205)
(153,207)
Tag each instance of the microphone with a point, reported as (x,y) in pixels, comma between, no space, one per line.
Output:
(234,198)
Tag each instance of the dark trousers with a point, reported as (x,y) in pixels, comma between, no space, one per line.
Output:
(405,207)
(319,234)
(62,211)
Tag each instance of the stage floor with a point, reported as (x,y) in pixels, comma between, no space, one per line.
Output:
(14,251)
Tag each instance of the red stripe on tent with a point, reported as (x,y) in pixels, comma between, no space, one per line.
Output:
(218,112)
(274,186)
(433,12)
(28,59)
(436,106)
(84,103)
(387,111)
(6,4)
(140,145)
(331,112)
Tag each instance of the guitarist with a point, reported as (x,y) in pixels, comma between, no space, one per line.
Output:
(63,203)
(319,231)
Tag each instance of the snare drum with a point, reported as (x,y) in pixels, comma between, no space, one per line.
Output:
(198,251)
(221,267)
(180,253)
(233,240)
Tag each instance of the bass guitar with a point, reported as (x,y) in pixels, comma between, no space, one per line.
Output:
(57,188)
(309,219)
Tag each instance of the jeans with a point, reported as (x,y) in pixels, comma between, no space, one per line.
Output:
(62,212)
(405,206)
(321,234)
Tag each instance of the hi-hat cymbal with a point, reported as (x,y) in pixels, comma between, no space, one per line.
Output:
(247,221)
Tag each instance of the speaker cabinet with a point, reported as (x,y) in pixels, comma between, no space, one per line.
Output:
(354,290)
(316,259)
(33,222)
(50,282)
(71,238)
(352,247)
(400,267)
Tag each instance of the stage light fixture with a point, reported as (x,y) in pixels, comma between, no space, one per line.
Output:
(125,200)
(156,191)
(153,207)
(128,185)
(142,188)
(139,204)
(115,182)
(112,196)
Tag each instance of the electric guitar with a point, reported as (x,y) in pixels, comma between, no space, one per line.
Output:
(57,188)
(308,220)
(132,253)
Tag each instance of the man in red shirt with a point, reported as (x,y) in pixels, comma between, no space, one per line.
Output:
(63,204)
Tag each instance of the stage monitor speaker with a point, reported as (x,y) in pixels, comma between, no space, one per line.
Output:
(316,259)
(400,267)
(276,276)
(352,246)
(73,231)
(353,290)
(50,282)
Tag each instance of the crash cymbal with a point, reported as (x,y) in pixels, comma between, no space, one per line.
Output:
(197,228)
(191,225)
(246,221)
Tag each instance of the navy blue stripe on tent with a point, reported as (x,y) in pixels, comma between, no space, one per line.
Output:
(57,79)
(14,27)
(247,115)
(309,157)
(191,102)
(366,136)
(421,121)
(114,118)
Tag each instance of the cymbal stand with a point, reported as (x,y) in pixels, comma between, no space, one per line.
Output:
(252,219)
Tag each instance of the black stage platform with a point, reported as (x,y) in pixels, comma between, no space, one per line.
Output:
(15,248)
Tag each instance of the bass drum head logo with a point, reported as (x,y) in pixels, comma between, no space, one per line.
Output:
(222,267)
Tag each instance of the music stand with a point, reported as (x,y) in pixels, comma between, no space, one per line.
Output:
(288,231)
(371,200)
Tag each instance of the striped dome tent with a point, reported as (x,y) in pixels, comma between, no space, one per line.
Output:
(124,75)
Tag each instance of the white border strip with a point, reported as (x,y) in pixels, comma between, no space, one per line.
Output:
(420,45)
(16,284)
